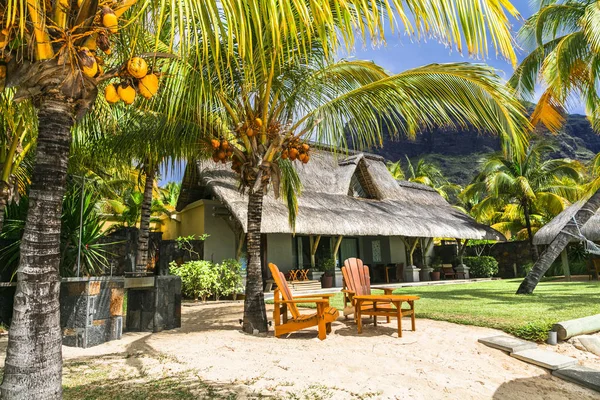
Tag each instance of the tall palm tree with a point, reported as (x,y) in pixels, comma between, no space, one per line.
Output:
(564,38)
(45,53)
(524,188)
(266,118)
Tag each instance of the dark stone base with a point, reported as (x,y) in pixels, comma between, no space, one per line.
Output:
(157,308)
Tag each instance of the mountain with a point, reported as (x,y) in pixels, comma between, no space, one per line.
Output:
(458,153)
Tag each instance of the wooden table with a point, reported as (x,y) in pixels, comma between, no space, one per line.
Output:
(363,302)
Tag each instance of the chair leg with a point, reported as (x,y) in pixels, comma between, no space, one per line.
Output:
(322,328)
(328,326)
(399,316)
(412,315)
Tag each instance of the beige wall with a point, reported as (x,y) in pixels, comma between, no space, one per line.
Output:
(397,250)
(170,228)
(221,244)
(192,219)
(279,250)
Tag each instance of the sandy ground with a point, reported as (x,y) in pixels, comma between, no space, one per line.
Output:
(439,361)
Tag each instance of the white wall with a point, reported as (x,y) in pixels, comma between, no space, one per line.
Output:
(221,243)
(279,250)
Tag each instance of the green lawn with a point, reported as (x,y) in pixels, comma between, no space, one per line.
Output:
(494,304)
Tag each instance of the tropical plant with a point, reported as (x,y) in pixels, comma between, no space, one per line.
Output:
(425,173)
(519,194)
(17,138)
(564,37)
(229,278)
(481,267)
(78,215)
(169,194)
(44,53)
(198,278)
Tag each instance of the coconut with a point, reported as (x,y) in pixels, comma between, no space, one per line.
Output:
(111,95)
(126,93)
(87,62)
(293,152)
(103,43)
(138,68)
(215,143)
(148,85)
(109,19)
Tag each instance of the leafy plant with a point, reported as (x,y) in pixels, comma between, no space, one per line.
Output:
(481,267)
(229,278)
(327,265)
(198,278)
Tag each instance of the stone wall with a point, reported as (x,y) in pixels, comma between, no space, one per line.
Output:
(155,308)
(170,251)
(91,310)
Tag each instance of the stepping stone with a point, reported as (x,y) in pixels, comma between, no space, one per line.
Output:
(591,343)
(584,376)
(507,343)
(546,359)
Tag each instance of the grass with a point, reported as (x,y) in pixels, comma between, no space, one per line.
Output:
(494,304)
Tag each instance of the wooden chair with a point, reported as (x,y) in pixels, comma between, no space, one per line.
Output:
(284,302)
(448,271)
(357,282)
(303,274)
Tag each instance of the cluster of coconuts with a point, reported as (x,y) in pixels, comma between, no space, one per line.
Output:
(251,128)
(222,150)
(135,79)
(294,150)
(90,62)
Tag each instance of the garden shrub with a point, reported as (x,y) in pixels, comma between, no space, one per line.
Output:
(198,278)
(229,278)
(481,267)
(202,279)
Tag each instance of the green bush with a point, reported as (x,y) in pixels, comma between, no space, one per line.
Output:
(202,279)
(229,278)
(198,278)
(481,267)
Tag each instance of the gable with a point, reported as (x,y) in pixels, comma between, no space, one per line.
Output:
(362,184)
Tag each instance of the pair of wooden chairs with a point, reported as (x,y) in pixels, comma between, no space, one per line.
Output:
(356,283)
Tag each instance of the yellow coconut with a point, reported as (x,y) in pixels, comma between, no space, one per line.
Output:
(103,43)
(258,122)
(90,42)
(110,20)
(126,93)
(111,95)
(148,85)
(88,63)
(4,38)
(137,67)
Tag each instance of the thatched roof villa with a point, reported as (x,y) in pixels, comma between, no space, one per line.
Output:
(591,229)
(350,206)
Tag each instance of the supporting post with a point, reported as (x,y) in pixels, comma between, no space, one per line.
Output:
(426,270)
(238,252)
(462,269)
(411,272)
(565,264)
(314,244)
(338,242)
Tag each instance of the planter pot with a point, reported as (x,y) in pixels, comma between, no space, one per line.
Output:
(435,276)
(326,281)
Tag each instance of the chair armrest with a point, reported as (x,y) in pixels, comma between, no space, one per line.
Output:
(306,300)
(314,296)
(386,290)
(348,291)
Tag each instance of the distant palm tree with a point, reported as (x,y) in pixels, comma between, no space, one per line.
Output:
(518,194)
(425,173)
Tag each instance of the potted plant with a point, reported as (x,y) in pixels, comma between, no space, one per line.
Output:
(327,266)
(437,269)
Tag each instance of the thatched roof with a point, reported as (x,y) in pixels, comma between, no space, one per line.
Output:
(591,230)
(327,206)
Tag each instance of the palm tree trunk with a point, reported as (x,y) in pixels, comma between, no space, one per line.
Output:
(144,233)
(4,193)
(255,315)
(534,250)
(33,367)
(558,244)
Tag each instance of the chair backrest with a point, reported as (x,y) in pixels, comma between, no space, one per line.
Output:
(283,287)
(356,276)
(447,268)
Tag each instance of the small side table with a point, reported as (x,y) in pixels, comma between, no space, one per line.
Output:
(363,302)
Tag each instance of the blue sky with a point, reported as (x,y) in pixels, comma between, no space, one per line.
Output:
(401,54)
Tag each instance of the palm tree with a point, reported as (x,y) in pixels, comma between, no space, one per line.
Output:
(525,188)
(45,52)
(565,37)
(429,174)
(266,118)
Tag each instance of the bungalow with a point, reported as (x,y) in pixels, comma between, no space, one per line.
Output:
(350,206)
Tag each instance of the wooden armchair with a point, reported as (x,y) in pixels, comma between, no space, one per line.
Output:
(448,271)
(357,282)
(284,302)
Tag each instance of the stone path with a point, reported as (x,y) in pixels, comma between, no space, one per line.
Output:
(561,366)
